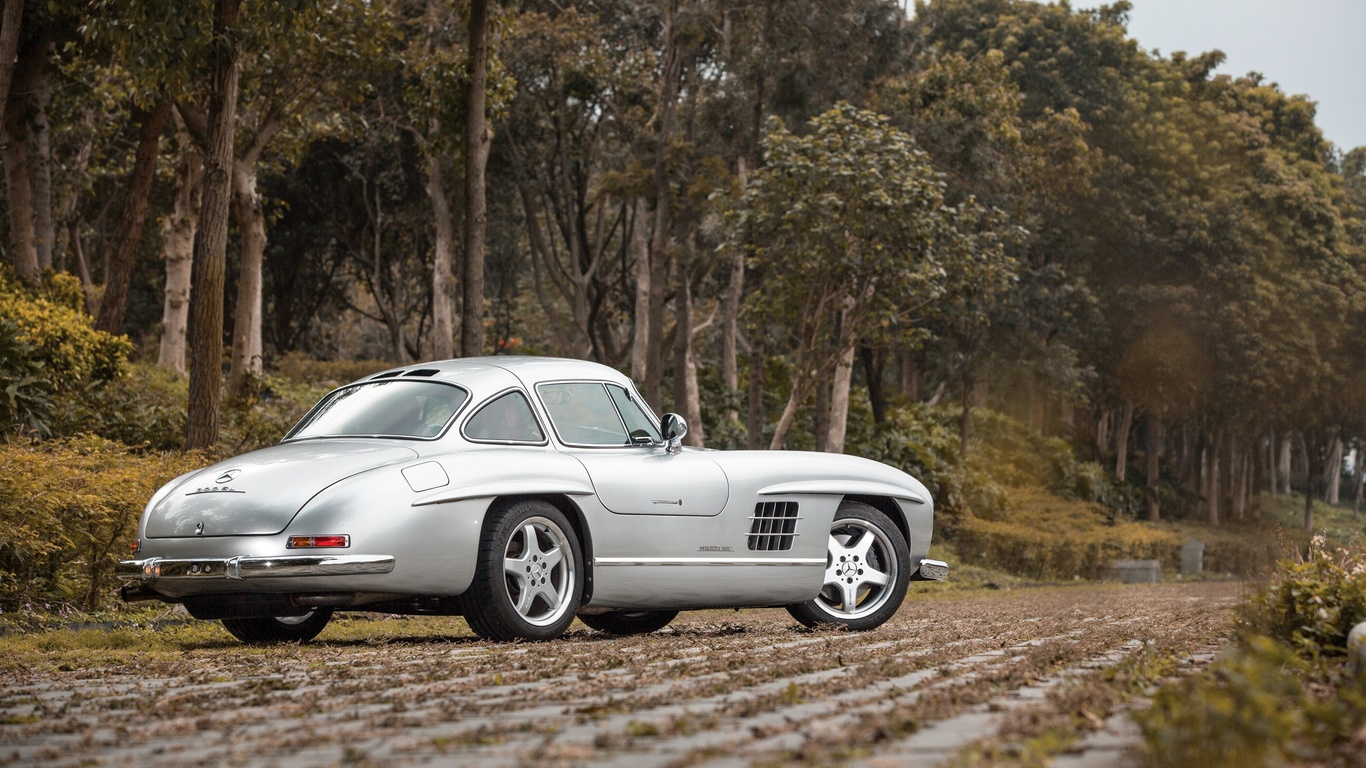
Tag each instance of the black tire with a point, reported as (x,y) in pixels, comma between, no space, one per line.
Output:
(629,622)
(523,592)
(280,629)
(861,591)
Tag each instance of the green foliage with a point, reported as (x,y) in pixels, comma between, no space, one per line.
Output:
(266,411)
(24,393)
(144,409)
(68,512)
(1047,537)
(62,341)
(48,348)
(1283,693)
(1314,600)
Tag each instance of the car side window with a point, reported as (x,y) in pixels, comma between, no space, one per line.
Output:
(640,425)
(507,418)
(583,413)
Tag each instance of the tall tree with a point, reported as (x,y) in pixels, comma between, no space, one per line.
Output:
(478,137)
(211,240)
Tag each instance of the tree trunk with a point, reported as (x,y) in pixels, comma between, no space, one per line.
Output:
(478,137)
(10,26)
(821,429)
(965,420)
(1283,465)
(177,237)
(730,316)
(443,313)
(640,329)
(1212,482)
(686,395)
(210,245)
(672,74)
(1332,473)
(1272,483)
(23,245)
(1358,479)
(872,375)
(128,233)
(1313,459)
(1126,421)
(247,353)
(756,415)
(40,153)
(839,401)
(1153,453)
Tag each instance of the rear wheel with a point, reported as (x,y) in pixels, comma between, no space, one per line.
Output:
(867,569)
(279,629)
(629,622)
(529,579)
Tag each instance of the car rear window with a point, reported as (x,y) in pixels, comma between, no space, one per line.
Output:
(391,408)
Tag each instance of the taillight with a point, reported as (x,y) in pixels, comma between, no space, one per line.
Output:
(314,542)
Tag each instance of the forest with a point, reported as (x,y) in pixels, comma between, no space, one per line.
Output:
(816,224)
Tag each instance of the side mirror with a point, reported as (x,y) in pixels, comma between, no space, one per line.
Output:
(674,428)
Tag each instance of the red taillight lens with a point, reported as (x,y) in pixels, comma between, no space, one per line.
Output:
(313,542)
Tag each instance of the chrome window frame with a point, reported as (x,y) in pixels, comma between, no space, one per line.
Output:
(554,427)
(475,411)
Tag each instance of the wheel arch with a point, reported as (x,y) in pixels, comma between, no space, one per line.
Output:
(887,506)
(571,511)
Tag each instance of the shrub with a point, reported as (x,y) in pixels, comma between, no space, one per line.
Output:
(64,343)
(1048,537)
(145,409)
(1313,601)
(69,511)
(1283,694)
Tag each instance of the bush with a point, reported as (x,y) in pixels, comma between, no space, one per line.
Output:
(145,409)
(69,511)
(1047,537)
(1313,601)
(1283,694)
(48,346)
(64,343)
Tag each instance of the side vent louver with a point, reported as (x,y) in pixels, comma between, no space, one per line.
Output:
(774,526)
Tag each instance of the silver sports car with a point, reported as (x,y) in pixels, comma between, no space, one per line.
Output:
(520,492)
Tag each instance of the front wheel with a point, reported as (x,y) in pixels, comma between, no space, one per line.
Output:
(529,579)
(629,622)
(867,569)
(279,629)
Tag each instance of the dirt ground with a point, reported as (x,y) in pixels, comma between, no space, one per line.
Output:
(965,678)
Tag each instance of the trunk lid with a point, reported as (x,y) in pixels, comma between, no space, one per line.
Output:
(258,493)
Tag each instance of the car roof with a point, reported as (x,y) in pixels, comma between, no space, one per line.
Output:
(484,375)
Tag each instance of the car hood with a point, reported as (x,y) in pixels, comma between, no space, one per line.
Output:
(260,492)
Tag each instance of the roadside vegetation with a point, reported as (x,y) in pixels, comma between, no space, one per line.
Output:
(1285,692)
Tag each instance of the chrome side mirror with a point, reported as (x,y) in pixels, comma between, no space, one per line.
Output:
(673,428)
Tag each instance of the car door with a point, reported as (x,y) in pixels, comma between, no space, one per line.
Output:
(603,426)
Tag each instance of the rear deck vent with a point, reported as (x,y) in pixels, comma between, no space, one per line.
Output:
(422,372)
(774,526)
(389,375)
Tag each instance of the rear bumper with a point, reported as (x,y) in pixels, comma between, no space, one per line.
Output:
(155,569)
(931,570)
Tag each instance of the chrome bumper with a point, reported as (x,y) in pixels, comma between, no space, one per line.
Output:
(156,568)
(931,570)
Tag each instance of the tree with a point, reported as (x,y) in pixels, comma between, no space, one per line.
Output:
(850,227)
(211,239)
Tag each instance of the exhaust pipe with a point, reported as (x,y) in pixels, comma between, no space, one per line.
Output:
(138,593)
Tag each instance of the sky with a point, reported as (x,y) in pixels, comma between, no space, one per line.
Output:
(1311,47)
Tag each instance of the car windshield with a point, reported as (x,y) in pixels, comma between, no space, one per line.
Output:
(392,408)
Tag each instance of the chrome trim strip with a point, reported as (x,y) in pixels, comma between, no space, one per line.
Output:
(239,568)
(705,561)
(840,488)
